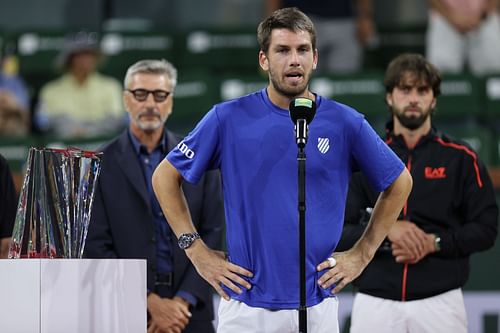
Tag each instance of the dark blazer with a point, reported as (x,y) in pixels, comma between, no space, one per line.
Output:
(122,225)
(8,200)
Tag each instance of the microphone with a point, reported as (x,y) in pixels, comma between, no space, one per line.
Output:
(302,111)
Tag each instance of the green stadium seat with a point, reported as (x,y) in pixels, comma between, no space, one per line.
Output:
(496,149)
(231,87)
(2,42)
(394,39)
(37,51)
(461,99)
(122,49)
(363,92)
(15,151)
(492,102)
(194,95)
(223,50)
(481,139)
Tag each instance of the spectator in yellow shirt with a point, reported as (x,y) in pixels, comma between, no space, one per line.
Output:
(81,102)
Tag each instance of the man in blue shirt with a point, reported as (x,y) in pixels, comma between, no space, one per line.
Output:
(127,221)
(251,141)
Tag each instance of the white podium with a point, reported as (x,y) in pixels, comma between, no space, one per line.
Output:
(72,295)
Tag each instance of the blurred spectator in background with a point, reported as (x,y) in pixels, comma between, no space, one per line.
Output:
(461,31)
(82,102)
(14,101)
(8,206)
(343,29)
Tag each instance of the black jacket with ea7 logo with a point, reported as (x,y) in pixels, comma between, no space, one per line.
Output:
(452,197)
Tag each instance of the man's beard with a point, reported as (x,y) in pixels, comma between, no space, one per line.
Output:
(150,126)
(411,122)
(291,91)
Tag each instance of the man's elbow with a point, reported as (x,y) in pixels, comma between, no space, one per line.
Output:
(164,176)
(409,179)
(400,189)
(404,183)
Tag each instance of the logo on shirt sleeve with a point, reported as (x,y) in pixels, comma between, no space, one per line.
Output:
(323,145)
(185,150)
(435,173)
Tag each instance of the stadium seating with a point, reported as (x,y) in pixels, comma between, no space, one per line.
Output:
(194,96)
(122,49)
(223,50)
(480,138)
(364,92)
(492,99)
(461,99)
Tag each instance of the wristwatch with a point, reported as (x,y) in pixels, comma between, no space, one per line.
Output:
(437,243)
(185,240)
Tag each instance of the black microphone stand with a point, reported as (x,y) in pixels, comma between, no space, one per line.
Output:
(301,137)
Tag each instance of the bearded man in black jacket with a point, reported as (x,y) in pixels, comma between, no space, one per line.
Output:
(414,282)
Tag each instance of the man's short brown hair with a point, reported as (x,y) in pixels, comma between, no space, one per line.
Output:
(415,64)
(286,18)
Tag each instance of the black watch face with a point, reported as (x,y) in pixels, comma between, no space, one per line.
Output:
(185,240)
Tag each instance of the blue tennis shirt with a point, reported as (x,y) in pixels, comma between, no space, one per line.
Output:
(252,142)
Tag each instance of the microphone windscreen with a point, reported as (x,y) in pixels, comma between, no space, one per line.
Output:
(302,108)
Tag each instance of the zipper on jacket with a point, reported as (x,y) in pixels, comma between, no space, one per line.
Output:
(405,213)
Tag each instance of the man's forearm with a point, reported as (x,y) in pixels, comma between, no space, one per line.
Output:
(167,187)
(385,213)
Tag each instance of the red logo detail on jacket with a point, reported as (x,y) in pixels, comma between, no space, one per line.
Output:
(435,173)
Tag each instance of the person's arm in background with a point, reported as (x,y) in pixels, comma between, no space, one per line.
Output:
(493,6)
(351,263)
(365,24)
(271,6)
(210,264)
(8,210)
(462,23)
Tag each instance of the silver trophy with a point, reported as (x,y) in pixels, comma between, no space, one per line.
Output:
(55,203)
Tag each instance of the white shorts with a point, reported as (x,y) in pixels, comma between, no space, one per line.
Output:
(237,317)
(440,313)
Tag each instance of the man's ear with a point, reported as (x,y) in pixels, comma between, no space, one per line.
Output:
(315,58)
(388,99)
(124,101)
(433,104)
(263,61)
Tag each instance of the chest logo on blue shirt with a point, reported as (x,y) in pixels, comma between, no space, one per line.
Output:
(323,145)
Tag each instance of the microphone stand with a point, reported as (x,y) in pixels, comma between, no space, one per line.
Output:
(301,138)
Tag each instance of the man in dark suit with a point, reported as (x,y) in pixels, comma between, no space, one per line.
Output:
(127,221)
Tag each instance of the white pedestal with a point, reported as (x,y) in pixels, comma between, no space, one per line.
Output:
(72,295)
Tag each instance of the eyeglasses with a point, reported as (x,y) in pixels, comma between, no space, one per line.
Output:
(142,94)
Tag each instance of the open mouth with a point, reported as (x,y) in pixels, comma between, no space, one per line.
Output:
(294,76)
